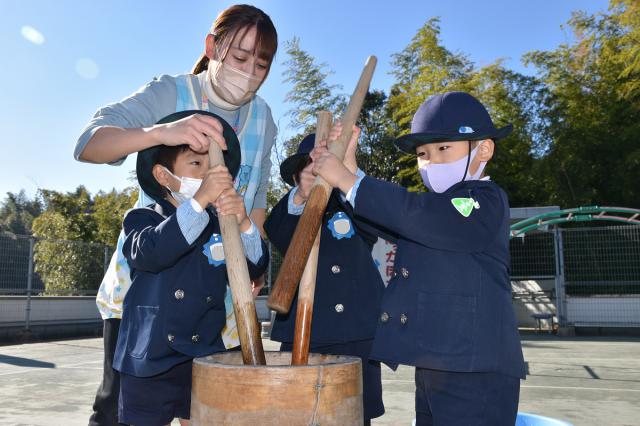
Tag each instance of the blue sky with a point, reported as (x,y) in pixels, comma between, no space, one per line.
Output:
(87,54)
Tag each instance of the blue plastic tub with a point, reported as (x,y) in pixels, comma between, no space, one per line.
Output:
(526,419)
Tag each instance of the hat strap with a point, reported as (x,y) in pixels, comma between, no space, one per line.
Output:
(466,169)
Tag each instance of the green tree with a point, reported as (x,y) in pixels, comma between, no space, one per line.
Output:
(626,15)
(422,69)
(592,114)
(65,257)
(17,213)
(512,98)
(109,209)
(275,192)
(310,92)
(376,155)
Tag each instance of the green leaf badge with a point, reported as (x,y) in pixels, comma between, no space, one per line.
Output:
(465,205)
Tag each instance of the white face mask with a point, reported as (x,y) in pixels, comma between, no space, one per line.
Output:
(188,188)
(440,177)
(231,84)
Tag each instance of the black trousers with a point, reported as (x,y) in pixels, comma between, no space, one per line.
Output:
(105,406)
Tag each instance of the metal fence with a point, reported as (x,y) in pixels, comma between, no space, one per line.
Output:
(49,285)
(69,268)
(595,273)
(275,261)
(592,274)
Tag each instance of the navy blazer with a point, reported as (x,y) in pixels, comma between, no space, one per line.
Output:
(448,306)
(174,310)
(348,285)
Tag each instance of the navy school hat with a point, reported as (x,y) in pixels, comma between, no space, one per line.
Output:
(451,116)
(147,157)
(289,166)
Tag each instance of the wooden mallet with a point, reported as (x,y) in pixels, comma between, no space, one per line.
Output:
(239,280)
(304,314)
(296,258)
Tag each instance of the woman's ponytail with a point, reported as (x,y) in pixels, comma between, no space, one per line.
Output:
(201,65)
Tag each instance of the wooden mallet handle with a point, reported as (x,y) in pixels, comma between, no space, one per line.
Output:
(239,281)
(304,314)
(296,258)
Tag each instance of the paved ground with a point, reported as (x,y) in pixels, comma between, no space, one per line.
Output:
(587,381)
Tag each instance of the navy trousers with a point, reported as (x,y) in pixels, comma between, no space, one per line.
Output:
(446,398)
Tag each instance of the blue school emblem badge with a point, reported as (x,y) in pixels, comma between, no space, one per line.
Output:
(340,226)
(214,250)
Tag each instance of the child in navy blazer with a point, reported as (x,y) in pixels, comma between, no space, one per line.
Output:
(175,310)
(349,287)
(447,311)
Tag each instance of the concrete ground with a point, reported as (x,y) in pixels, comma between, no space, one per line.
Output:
(586,381)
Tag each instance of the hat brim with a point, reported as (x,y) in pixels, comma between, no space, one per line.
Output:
(409,142)
(289,166)
(147,157)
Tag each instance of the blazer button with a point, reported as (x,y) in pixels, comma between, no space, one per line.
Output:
(403,319)
(179,294)
(335,269)
(171,337)
(384,317)
(404,272)
(195,338)
(209,299)
(339,307)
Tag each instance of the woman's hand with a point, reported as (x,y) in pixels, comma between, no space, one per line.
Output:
(230,202)
(196,131)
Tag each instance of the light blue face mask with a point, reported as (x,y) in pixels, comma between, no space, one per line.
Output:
(188,188)
(440,177)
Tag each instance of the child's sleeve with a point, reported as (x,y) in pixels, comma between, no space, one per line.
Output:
(280,225)
(258,266)
(466,220)
(255,251)
(251,243)
(153,245)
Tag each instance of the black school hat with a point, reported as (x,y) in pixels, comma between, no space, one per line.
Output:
(451,116)
(147,157)
(289,166)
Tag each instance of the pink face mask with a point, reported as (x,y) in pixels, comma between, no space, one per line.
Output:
(440,177)
(234,86)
